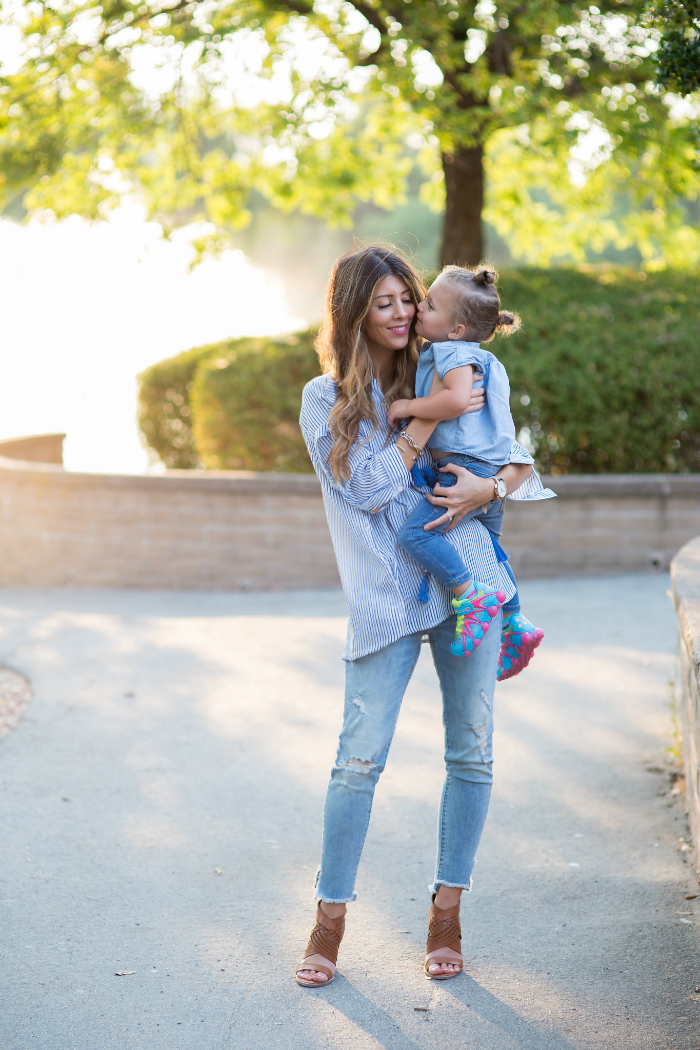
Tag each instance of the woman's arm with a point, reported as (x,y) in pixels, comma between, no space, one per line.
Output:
(470,491)
(375,478)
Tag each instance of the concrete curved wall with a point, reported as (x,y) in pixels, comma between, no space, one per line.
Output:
(180,530)
(240,530)
(685,573)
(38,448)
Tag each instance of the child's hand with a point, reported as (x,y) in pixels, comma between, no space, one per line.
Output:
(400,409)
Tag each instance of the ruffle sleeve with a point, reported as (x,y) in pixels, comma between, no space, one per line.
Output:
(532,488)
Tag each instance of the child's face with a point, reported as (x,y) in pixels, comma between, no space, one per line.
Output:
(436,314)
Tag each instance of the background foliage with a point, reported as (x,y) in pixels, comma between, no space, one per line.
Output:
(604,373)
(230,406)
(164,412)
(246,401)
(679,49)
(604,379)
(191,106)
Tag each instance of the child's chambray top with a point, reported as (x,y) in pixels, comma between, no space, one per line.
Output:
(487,435)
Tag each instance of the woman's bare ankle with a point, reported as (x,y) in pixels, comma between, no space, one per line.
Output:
(447,897)
(333,911)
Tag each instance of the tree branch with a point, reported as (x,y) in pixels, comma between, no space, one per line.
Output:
(147,16)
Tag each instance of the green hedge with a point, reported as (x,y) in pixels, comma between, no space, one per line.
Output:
(164,411)
(604,378)
(605,373)
(246,401)
(230,406)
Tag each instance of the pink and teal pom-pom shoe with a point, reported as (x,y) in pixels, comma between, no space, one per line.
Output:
(519,639)
(475,611)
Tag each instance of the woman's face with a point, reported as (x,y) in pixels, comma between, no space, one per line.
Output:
(389,319)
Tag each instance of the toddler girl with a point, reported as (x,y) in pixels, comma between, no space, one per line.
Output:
(461,310)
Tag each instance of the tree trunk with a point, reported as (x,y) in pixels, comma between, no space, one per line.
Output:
(462,236)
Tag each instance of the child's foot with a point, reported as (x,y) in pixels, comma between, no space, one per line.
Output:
(475,610)
(519,639)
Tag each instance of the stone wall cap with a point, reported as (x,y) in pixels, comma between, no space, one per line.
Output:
(630,485)
(201,480)
(567,486)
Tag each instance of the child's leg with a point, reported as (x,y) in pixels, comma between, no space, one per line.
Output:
(432,550)
(513,604)
(519,637)
(475,604)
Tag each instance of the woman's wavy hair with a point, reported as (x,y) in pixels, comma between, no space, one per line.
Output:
(342,348)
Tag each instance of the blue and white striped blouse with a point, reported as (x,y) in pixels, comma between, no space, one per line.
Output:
(365,513)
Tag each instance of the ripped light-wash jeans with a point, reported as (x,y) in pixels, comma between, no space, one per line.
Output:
(374,689)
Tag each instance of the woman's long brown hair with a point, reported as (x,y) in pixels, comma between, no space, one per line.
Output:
(342,348)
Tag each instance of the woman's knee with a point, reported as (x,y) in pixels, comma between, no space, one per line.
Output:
(471,772)
(357,773)
(471,757)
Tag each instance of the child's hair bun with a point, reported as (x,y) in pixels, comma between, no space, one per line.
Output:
(507,322)
(485,275)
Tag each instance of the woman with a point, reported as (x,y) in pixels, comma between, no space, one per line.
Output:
(369,352)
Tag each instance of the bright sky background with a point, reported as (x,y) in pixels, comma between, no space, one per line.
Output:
(86,307)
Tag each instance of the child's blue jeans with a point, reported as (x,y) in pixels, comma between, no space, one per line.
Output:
(432,550)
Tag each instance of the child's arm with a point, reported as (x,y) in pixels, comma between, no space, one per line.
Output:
(448,403)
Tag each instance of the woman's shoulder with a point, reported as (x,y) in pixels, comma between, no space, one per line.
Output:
(321,388)
(317,401)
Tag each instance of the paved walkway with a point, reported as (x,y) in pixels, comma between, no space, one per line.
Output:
(161,814)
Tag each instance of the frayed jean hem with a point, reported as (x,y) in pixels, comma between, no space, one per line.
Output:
(435,886)
(330,900)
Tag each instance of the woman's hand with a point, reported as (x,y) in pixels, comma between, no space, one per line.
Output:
(478,398)
(470,491)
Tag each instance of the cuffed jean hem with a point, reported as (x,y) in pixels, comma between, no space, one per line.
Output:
(464,577)
(435,886)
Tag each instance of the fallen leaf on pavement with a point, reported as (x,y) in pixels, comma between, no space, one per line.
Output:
(218,871)
(124,973)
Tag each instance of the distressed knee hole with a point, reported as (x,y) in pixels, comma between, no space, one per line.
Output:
(357,765)
(359,703)
(481,739)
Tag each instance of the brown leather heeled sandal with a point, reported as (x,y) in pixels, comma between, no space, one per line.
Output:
(322,948)
(444,931)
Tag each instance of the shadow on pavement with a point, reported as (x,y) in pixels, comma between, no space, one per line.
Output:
(497,1013)
(365,1013)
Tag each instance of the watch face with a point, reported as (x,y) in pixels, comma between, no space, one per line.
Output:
(501,488)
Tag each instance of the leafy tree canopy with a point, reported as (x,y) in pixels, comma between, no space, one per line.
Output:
(679,49)
(320,104)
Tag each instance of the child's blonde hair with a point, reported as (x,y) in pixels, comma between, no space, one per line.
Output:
(477,303)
